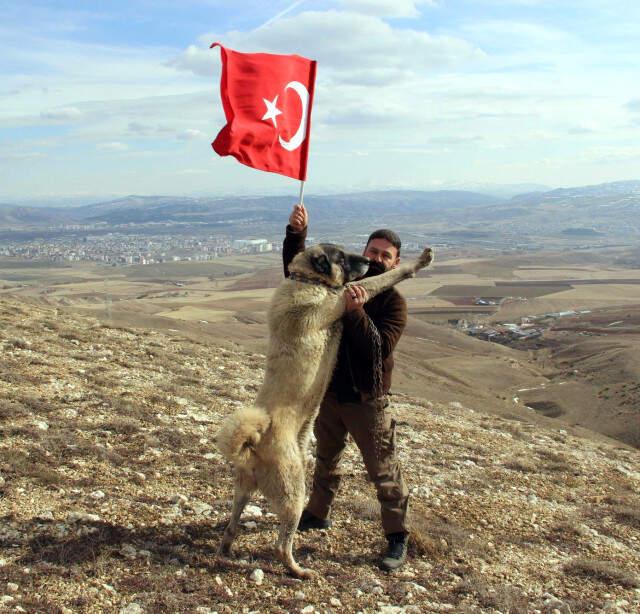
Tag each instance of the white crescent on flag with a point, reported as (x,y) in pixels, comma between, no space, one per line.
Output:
(298,138)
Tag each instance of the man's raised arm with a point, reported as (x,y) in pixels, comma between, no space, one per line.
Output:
(294,240)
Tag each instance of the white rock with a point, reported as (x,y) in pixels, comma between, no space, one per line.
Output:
(257,576)
(132,608)
(201,508)
(45,515)
(83,516)
(97,494)
(42,425)
(128,551)
(12,587)
(6,599)
(299,595)
(1,481)
(532,498)
(307,610)
(416,588)
(250,524)
(179,499)
(335,602)
(253,511)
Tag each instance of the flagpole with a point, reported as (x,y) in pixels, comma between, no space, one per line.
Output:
(300,199)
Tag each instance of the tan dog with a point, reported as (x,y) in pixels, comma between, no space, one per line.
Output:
(267,442)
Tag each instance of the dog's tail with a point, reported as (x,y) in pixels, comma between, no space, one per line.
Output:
(241,432)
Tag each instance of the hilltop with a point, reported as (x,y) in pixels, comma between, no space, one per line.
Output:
(113,497)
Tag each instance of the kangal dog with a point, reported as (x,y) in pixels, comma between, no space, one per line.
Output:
(267,442)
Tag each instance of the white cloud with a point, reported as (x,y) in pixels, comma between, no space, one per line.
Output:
(349,47)
(387,8)
(62,115)
(25,156)
(634,105)
(112,146)
(190,134)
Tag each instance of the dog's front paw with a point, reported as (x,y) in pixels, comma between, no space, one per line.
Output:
(425,259)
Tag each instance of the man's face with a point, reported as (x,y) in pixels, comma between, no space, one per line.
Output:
(382,252)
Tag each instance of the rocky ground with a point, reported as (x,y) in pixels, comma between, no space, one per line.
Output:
(113,497)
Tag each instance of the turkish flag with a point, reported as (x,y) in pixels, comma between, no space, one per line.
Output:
(267,101)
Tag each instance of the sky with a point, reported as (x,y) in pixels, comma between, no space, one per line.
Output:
(112,98)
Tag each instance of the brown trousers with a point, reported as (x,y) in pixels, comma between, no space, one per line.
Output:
(334,422)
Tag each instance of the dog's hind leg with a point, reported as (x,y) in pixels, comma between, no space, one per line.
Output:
(244,486)
(285,492)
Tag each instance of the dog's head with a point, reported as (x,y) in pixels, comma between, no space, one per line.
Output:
(330,264)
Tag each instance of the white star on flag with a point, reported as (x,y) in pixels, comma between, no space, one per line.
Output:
(272,110)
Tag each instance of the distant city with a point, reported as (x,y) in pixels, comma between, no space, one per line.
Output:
(126,249)
(139,230)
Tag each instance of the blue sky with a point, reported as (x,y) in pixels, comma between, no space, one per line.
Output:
(112,98)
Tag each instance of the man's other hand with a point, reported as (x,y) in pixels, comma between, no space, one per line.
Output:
(298,218)
(354,298)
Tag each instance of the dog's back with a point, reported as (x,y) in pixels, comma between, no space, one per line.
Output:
(300,360)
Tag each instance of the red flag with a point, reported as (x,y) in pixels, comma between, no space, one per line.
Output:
(267,101)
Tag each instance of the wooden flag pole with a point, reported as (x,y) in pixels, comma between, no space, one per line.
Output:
(300,200)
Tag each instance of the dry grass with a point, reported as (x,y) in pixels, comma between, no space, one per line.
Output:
(628,515)
(33,464)
(434,537)
(11,409)
(365,508)
(121,425)
(607,572)
(37,404)
(19,344)
(504,598)
(521,464)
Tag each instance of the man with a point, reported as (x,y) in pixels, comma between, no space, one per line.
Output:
(356,399)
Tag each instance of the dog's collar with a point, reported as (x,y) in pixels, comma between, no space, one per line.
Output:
(310,280)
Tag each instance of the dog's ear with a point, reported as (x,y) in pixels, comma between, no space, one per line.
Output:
(321,264)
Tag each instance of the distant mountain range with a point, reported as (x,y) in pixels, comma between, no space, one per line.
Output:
(610,208)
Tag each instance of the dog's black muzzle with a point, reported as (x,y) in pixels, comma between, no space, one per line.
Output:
(355,267)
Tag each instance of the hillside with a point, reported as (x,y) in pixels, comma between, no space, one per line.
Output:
(113,498)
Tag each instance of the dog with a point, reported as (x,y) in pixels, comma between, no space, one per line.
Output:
(267,441)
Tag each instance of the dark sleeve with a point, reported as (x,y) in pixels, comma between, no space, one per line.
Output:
(390,320)
(292,245)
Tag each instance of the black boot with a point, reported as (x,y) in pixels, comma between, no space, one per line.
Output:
(396,553)
(309,522)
